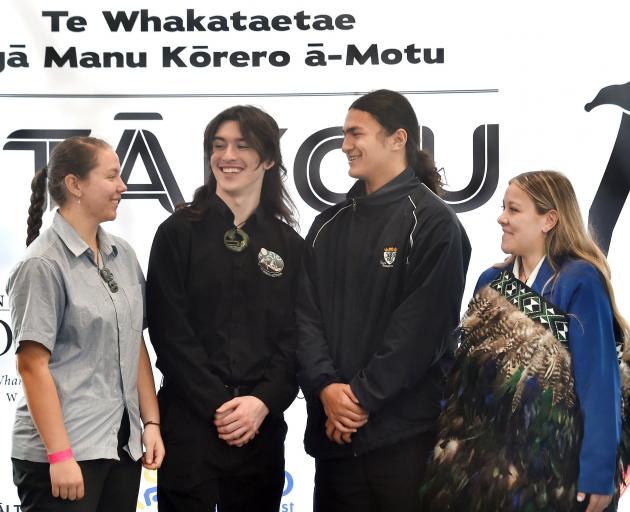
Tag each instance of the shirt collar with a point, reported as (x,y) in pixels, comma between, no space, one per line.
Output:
(532,277)
(75,243)
(223,209)
(105,243)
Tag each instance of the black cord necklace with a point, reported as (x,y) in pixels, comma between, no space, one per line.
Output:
(105,273)
(235,239)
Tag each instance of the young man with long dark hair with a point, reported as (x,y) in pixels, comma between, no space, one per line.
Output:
(380,294)
(220,310)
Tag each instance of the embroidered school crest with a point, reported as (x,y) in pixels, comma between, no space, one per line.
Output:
(389,257)
(270,263)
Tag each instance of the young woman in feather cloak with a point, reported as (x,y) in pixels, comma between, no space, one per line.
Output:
(533,420)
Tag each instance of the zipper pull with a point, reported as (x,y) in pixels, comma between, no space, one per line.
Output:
(354,204)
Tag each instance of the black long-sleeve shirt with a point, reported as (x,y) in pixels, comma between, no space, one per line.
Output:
(221,320)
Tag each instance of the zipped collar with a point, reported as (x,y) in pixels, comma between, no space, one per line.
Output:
(395,190)
(392,191)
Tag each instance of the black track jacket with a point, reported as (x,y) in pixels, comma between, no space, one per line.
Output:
(379,297)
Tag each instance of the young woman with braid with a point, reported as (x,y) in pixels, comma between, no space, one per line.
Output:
(533,421)
(77,313)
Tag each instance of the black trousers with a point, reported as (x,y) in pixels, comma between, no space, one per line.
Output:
(246,493)
(110,485)
(384,480)
(201,472)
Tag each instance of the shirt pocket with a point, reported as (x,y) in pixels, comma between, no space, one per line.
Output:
(133,294)
(88,310)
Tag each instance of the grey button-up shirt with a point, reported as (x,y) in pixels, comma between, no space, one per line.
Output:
(57,298)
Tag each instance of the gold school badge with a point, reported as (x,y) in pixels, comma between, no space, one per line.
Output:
(389,257)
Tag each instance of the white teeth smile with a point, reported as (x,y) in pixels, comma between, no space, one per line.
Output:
(352,158)
(230,170)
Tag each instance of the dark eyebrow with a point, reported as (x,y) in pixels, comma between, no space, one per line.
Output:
(351,129)
(223,139)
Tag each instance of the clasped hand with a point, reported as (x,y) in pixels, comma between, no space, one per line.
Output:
(239,419)
(343,412)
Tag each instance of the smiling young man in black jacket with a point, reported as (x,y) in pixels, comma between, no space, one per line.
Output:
(380,294)
(220,297)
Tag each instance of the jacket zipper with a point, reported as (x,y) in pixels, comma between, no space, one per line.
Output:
(354,209)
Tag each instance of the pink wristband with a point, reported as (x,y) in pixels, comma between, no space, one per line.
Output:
(66,454)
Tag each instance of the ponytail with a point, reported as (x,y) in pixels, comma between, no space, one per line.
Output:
(393,111)
(426,171)
(38,205)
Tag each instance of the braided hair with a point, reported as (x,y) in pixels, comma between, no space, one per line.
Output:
(76,155)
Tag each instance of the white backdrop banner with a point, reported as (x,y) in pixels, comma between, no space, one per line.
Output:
(498,89)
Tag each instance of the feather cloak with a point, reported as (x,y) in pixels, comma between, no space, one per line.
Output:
(510,432)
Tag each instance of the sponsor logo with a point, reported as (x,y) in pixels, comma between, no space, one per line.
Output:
(389,257)
(7,507)
(147,498)
(288,483)
(11,387)
(6,336)
(288,487)
(10,383)
(270,263)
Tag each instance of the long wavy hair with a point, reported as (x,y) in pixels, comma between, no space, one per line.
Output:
(393,111)
(75,155)
(261,132)
(551,190)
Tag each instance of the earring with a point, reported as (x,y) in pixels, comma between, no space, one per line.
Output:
(78,200)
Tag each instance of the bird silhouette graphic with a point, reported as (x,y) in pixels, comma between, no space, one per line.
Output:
(615,185)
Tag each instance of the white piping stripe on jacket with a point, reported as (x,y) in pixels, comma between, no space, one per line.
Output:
(327,222)
(414,225)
